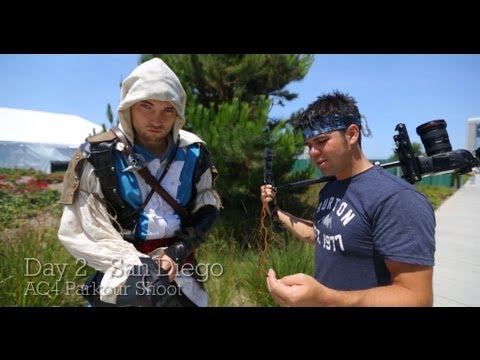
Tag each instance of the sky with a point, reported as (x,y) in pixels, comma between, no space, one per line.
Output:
(389,88)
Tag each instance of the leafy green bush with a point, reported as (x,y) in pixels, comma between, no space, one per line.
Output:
(15,208)
(25,193)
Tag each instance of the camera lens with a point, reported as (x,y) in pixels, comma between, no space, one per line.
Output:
(434,137)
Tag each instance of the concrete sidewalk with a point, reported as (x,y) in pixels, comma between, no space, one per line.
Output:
(456,279)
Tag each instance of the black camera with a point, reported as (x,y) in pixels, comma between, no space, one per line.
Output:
(434,137)
(440,157)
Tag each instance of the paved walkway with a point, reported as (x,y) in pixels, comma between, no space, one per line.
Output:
(456,279)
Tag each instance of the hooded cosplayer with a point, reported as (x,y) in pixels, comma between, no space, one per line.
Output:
(113,220)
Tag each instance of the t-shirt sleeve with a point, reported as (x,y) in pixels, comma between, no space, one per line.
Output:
(405,229)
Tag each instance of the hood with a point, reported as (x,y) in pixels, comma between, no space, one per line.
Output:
(156,81)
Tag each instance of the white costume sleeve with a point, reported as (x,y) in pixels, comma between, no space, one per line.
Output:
(206,195)
(87,233)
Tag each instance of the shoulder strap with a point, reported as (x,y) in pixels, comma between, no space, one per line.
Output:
(99,152)
(150,180)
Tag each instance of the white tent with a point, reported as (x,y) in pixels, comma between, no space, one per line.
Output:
(40,140)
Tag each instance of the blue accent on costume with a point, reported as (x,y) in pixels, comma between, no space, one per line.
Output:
(127,182)
(129,187)
(191,155)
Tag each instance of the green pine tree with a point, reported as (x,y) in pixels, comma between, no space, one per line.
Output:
(228,101)
(219,78)
(235,135)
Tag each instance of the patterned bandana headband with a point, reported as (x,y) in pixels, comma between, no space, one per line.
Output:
(324,124)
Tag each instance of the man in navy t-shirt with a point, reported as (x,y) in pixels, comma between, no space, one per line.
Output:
(374,233)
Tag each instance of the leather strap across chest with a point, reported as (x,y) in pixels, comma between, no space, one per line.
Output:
(150,179)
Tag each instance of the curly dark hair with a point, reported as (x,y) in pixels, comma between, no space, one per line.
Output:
(335,103)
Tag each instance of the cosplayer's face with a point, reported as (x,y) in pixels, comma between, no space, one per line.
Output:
(152,120)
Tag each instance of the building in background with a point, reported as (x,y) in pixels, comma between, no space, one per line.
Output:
(41,140)
(473,133)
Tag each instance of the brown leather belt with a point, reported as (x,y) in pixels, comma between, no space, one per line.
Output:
(147,246)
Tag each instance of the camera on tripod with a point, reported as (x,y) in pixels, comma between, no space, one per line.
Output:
(440,157)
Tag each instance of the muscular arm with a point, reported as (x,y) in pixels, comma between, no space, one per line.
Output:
(300,228)
(411,286)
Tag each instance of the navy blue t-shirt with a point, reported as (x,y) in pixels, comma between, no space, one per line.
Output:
(367,219)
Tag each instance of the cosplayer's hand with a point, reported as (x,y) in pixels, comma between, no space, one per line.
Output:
(167,264)
(146,285)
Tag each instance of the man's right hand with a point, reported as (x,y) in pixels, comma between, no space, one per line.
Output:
(267,194)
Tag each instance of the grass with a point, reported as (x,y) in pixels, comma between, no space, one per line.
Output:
(436,194)
(243,280)
(36,270)
(291,258)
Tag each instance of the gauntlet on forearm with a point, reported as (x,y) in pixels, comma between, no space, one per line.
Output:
(193,234)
